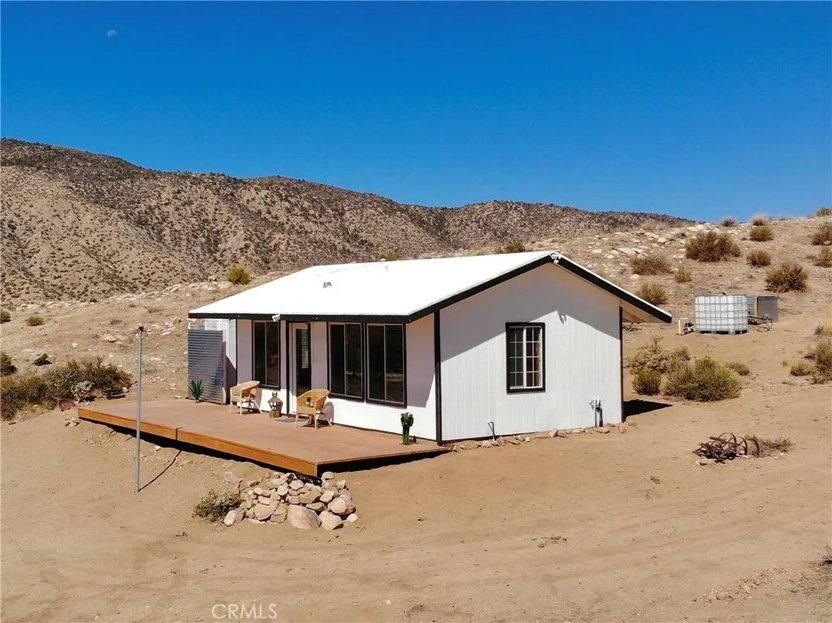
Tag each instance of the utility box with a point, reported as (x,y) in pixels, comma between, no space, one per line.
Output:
(760,305)
(721,313)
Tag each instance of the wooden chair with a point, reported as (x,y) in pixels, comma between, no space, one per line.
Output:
(245,395)
(311,404)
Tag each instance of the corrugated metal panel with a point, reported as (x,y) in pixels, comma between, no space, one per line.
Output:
(762,305)
(206,361)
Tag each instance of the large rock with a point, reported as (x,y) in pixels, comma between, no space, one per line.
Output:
(231,517)
(327,496)
(351,518)
(282,490)
(264,511)
(302,518)
(341,505)
(327,476)
(279,516)
(330,521)
(295,485)
(307,497)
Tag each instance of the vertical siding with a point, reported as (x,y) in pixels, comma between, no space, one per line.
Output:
(244,345)
(582,356)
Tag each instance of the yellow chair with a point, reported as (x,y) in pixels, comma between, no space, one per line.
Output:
(245,395)
(311,404)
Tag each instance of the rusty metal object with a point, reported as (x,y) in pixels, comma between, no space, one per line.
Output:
(727,447)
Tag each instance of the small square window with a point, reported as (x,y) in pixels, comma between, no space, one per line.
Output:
(525,359)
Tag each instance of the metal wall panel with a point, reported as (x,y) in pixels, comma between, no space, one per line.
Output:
(206,361)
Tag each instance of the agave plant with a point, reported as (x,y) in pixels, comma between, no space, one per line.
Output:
(195,388)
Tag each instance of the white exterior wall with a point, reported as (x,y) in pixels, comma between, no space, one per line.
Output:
(229,336)
(582,356)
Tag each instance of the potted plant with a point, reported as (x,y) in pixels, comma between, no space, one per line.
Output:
(195,388)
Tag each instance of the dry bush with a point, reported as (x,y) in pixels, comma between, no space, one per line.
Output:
(35,321)
(214,506)
(238,275)
(788,277)
(704,380)
(653,357)
(653,264)
(822,354)
(729,222)
(653,293)
(34,389)
(682,274)
(738,367)
(801,368)
(823,330)
(711,247)
(388,255)
(825,211)
(760,219)
(647,382)
(758,257)
(5,316)
(761,233)
(770,446)
(823,233)
(6,365)
(824,258)
(511,247)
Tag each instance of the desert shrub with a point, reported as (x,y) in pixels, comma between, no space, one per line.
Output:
(824,258)
(214,506)
(653,293)
(760,219)
(825,211)
(33,389)
(761,233)
(704,380)
(711,247)
(653,357)
(823,233)
(758,257)
(823,330)
(801,368)
(647,382)
(787,277)
(653,264)
(822,354)
(5,316)
(729,222)
(683,274)
(738,367)
(238,275)
(511,247)
(6,365)
(388,255)
(769,446)
(34,321)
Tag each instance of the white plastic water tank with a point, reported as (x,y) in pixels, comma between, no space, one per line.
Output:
(721,313)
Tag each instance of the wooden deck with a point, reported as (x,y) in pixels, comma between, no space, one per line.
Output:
(279,443)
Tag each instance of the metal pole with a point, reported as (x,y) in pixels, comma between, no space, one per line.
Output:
(139,413)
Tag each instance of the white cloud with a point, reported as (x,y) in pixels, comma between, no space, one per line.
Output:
(112,33)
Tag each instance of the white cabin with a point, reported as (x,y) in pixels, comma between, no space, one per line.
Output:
(519,343)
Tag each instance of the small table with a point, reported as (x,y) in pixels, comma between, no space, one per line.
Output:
(275,406)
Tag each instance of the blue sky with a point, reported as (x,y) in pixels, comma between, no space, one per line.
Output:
(702,110)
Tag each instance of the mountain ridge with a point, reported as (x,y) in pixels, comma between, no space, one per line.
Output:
(78,225)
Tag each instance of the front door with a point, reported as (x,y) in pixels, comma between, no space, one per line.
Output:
(303,360)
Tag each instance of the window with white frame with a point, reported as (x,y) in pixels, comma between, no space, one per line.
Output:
(524,353)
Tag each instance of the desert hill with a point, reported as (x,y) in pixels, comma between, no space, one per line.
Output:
(77,225)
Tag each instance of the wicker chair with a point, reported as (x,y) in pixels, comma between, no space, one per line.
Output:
(245,395)
(311,404)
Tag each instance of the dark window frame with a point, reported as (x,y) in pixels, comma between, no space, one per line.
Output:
(263,383)
(525,325)
(360,398)
(378,401)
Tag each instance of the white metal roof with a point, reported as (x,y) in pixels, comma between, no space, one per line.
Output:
(404,289)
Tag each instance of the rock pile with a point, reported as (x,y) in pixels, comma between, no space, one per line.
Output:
(285,497)
(515,440)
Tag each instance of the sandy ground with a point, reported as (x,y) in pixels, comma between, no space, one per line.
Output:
(593,527)
(615,527)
